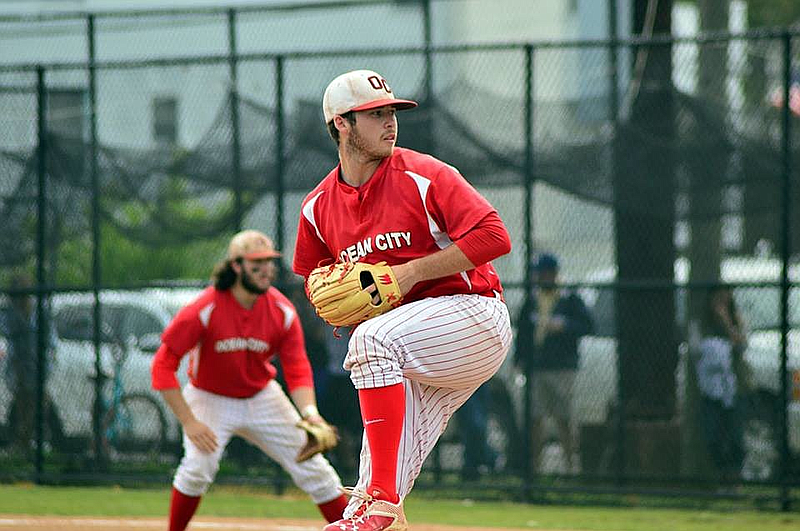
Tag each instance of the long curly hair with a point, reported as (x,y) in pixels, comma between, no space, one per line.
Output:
(223,276)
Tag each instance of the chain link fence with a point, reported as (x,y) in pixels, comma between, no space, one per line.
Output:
(655,170)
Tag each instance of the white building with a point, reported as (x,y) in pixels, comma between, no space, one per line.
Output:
(144,106)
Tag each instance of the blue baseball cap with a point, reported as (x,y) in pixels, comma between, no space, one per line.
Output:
(545,262)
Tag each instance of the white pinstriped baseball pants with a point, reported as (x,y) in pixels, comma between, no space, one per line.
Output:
(442,349)
(266,420)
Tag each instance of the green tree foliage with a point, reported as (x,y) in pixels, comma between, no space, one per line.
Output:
(764,13)
(768,13)
(128,262)
(124,261)
(177,235)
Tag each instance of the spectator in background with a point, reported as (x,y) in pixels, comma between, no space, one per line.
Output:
(339,404)
(338,400)
(777,99)
(21,366)
(314,328)
(479,457)
(721,348)
(550,325)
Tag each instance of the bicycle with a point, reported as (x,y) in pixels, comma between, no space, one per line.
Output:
(134,425)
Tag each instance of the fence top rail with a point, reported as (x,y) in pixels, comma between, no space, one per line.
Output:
(658,40)
(298,5)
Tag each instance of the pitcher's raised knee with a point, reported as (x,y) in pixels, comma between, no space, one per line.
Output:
(373,358)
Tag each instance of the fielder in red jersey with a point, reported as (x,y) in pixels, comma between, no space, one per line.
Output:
(416,364)
(233,330)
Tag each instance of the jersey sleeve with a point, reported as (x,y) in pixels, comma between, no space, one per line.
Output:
(456,206)
(294,360)
(180,336)
(185,330)
(163,368)
(488,240)
(309,248)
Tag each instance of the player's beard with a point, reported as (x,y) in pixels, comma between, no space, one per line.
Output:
(358,146)
(249,284)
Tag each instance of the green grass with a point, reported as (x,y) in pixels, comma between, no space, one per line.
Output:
(247,502)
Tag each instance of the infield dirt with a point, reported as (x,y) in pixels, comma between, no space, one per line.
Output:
(60,523)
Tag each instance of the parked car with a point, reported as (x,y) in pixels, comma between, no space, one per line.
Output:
(131,325)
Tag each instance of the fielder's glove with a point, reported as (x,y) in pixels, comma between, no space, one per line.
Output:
(321,438)
(338,291)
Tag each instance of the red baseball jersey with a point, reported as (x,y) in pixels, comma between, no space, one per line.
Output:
(412,206)
(234,344)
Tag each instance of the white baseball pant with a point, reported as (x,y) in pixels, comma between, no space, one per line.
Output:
(267,420)
(442,349)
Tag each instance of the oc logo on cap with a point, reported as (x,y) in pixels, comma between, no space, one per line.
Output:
(359,90)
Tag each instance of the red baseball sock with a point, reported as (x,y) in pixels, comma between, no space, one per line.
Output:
(181,510)
(383,410)
(334,509)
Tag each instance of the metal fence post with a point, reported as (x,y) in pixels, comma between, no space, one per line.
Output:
(786,217)
(529,181)
(613,75)
(280,148)
(99,407)
(613,34)
(236,140)
(41,213)
(427,97)
(427,39)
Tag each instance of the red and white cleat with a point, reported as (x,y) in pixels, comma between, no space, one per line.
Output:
(371,515)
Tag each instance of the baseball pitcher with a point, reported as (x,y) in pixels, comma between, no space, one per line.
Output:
(399,244)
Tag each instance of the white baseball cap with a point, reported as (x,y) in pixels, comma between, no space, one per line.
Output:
(359,90)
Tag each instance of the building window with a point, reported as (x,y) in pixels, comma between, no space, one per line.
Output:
(572,6)
(67,113)
(68,122)
(165,120)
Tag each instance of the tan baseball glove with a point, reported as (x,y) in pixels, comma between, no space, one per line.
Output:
(348,293)
(321,438)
